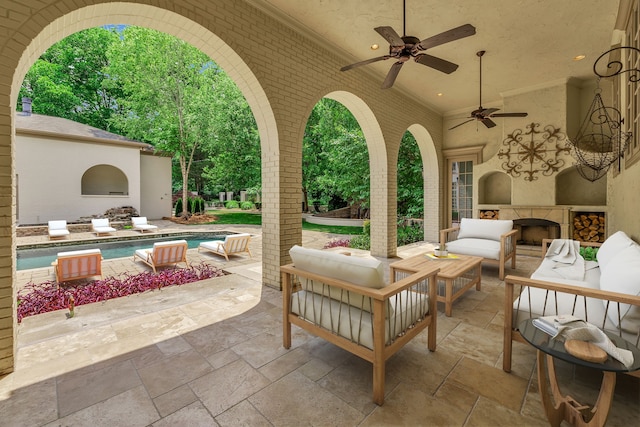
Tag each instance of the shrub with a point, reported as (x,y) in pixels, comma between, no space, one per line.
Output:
(178,207)
(366,227)
(50,296)
(231,204)
(247,206)
(337,243)
(361,241)
(411,234)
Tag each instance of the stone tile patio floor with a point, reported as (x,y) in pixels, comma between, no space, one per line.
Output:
(210,353)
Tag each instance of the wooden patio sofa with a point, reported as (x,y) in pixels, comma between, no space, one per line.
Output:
(73,265)
(163,253)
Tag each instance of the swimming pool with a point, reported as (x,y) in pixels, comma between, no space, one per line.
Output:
(37,257)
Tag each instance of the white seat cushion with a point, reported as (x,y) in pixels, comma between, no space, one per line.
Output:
(622,274)
(475,247)
(80,252)
(215,246)
(484,228)
(56,233)
(612,246)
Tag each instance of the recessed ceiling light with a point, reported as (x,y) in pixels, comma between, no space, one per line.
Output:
(579,57)
(375,46)
(440,94)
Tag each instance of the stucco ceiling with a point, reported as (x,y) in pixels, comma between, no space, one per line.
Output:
(528,43)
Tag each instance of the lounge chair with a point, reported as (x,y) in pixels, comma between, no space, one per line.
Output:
(58,228)
(140,223)
(163,253)
(102,226)
(232,244)
(74,265)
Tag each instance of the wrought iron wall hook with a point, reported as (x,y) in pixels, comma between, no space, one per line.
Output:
(616,66)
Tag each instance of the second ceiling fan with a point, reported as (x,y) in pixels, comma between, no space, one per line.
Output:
(484,115)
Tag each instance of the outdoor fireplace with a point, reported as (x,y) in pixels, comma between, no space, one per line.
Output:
(531,231)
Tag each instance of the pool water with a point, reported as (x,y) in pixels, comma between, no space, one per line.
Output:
(44,256)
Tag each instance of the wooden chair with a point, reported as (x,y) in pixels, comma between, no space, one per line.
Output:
(81,264)
(232,244)
(58,228)
(163,254)
(140,223)
(102,226)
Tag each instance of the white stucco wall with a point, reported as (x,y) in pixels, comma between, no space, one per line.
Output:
(49,176)
(155,186)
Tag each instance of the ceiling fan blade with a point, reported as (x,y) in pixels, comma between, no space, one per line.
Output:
(460,124)
(488,122)
(368,61)
(436,63)
(488,112)
(447,36)
(390,35)
(510,115)
(391,75)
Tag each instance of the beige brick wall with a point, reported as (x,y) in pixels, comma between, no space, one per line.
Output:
(282,73)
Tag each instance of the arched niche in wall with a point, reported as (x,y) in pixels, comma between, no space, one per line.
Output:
(573,189)
(104,180)
(494,188)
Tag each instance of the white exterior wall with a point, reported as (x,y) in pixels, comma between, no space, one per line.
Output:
(155,186)
(49,177)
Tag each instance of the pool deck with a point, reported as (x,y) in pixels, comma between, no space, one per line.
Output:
(210,353)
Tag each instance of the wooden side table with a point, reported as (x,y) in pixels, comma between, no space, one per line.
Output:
(456,276)
(564,407)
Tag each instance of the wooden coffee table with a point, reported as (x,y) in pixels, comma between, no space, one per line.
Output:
(456,276)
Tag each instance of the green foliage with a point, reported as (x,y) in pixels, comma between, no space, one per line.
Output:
(231,204)
(178,209)
(410,178)
(236,217)
(411,234)
(589,253)
(69,80)
(361,241)
(366,227)
(246,206)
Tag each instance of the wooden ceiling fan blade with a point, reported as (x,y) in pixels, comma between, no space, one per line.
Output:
(391,75)
(365,62)
(510,115)
(486,112)
(390,36)
(460,124)
(436,63)
(448,36)
(488,123)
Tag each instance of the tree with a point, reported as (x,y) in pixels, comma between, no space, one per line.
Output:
(335,156)
(168,88)
(68,80)
(410,178)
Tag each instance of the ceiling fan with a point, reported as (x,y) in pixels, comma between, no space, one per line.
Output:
(407,47)
(484,114)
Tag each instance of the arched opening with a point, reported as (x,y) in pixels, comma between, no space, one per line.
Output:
(494,189)
(104,180)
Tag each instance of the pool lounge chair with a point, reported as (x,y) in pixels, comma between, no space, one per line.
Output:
(232,244)
(140,223)
(102,226)
(58,228)
(74,265)
(163,254)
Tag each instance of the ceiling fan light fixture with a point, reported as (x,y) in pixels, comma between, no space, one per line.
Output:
(375,46)
(440,94)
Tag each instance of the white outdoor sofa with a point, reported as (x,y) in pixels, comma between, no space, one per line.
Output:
(140,223)
(101,226)
(494,240)
(344,300)
(57,228)
(608,295)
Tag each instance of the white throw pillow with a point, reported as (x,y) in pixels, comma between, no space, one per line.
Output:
(622,275)
(490,229)
(612,246)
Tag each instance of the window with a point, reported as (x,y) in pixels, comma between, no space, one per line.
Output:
(632,88)
(104,180)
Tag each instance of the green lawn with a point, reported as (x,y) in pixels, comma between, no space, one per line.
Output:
(235,217)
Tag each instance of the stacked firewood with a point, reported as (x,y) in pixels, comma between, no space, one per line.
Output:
(589,227)
(489,214)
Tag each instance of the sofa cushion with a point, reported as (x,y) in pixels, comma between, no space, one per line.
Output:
(622,274)
(367,272)
(476,247)
(612,246)
(484,228)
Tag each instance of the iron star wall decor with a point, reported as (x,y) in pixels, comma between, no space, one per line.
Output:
(533,151)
